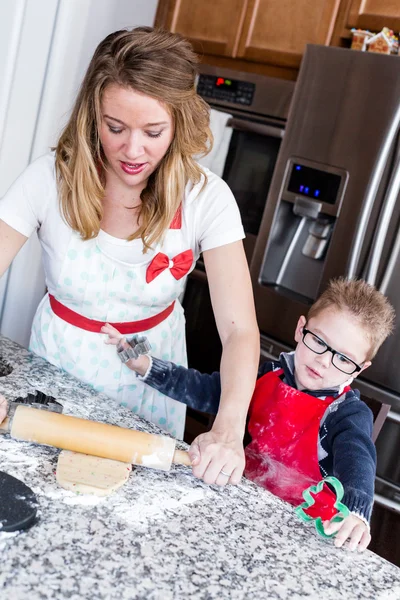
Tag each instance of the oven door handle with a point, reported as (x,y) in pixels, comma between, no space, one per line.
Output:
(251,127)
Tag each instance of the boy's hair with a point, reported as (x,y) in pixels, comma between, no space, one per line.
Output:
(364,302)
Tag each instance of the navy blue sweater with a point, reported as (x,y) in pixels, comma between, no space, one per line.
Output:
(345,447)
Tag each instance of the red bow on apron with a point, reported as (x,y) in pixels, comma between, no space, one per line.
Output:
(179,265)
(284,426)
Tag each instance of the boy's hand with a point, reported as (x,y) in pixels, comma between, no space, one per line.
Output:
(3,408)
(114,336)
(352,528)
(139,365)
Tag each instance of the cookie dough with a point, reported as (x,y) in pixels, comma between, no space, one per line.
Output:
(85,474)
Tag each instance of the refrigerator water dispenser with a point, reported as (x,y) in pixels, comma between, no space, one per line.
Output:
(303,225)
(319,233)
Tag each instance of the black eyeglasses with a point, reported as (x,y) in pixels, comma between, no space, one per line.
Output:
(340,361)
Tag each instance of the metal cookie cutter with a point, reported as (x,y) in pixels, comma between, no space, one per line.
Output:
(37,400)
(138,345)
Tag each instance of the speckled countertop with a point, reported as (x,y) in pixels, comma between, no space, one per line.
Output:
(162,535)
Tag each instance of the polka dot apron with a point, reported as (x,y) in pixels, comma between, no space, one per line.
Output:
(103,288)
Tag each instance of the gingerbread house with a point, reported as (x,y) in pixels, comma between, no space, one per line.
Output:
(380,43)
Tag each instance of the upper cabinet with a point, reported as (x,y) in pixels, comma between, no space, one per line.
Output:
(266,31)
(374,14)
(212,26)
(277,31)
(269,36)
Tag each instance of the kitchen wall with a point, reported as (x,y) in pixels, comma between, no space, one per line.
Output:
(45,48)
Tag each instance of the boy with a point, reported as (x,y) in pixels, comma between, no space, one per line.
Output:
(305,421)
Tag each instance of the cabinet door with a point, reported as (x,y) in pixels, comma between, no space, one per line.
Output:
(374,14)
(212,26)
(276,31)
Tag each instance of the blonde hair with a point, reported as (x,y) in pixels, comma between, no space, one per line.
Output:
(161,65)
(364,302)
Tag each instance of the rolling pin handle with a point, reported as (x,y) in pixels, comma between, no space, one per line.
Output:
(5,426)
(181,457)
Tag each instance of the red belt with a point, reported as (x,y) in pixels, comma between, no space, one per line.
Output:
(73,318)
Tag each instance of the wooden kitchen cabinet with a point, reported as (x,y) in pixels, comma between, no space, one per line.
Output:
(374,14)
(277,31)
(269,36)
(212,26)
(272,32)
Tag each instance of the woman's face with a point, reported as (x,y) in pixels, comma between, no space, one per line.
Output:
(135,133)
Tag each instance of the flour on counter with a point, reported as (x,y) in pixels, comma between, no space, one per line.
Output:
(82,499)
(141,510)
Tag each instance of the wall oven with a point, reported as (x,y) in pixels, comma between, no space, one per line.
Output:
(259,108)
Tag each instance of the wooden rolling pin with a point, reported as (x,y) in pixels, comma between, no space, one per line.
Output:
(98,439)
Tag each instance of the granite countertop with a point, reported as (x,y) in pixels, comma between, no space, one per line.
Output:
(162,535)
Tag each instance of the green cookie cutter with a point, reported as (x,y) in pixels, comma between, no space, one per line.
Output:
(309,501)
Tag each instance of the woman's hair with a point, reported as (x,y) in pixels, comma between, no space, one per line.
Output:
(369,307)
(155,63)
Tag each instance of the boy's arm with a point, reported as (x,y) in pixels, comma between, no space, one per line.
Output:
(348,433)
(200,391)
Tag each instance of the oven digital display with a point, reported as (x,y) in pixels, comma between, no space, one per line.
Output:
(314,183)
(226,84)
(224,89)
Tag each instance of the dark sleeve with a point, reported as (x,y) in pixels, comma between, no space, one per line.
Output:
(348,433)
(200,391)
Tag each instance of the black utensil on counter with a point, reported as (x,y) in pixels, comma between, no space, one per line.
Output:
(18,504)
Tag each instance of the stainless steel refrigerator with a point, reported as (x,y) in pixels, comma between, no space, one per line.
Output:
(334,209)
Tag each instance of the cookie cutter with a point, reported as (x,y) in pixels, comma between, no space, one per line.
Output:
(37,400)
(342,510)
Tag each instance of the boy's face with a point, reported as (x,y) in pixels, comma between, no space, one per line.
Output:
(340,331)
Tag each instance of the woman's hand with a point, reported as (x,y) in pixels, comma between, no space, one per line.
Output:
(218,457)
(3,408)
(139,365)
(352,528)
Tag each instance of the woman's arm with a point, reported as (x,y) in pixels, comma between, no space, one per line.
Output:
(221,449)
(11,242)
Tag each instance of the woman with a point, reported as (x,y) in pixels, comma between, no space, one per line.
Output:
(123,211)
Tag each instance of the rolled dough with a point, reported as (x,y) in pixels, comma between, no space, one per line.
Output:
(85,474)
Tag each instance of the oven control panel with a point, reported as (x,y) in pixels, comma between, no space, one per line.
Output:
(227,90)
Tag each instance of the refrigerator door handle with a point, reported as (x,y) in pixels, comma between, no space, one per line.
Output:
(370,197)
(391,264)
(381,235)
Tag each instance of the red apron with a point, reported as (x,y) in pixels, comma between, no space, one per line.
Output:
(284,426)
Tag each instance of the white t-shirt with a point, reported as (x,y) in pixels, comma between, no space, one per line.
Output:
(210,218)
